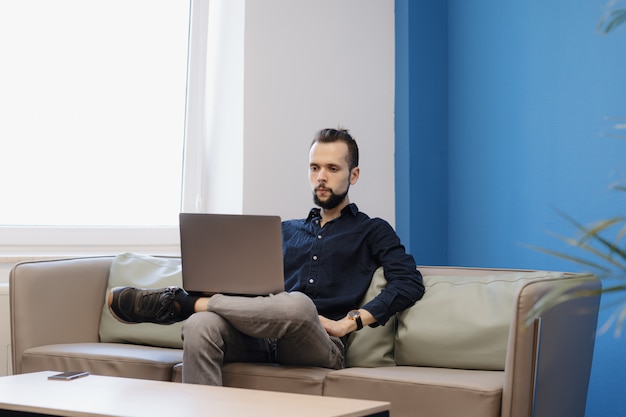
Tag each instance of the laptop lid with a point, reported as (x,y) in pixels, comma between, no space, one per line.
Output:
(231,254)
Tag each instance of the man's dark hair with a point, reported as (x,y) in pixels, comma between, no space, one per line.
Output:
(334,135)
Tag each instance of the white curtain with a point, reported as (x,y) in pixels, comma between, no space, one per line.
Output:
(213,161)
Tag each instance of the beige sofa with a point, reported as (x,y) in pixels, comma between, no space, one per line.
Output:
(462,351)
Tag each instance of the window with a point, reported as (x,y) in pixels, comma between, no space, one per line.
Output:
(93,105)
(93,109)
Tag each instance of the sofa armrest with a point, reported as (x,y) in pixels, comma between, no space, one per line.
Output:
(56,301)
(549,363)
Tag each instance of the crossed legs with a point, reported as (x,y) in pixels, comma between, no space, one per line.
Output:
(283,328)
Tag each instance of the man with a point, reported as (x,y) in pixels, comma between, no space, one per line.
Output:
(329,260)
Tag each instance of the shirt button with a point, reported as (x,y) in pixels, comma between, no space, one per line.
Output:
(319,236)
(315,257)
(311,280)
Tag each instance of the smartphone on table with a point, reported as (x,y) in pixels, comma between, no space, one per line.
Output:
(68,376)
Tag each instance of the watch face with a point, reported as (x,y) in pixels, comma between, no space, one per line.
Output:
(356,316)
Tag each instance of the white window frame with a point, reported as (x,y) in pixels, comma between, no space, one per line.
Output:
(18,242)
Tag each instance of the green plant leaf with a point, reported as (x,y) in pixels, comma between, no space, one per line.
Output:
(570,258)
(560,294)
(594,234)
(612,20)
(564,293)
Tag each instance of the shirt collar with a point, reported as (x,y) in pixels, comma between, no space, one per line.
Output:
(350,209)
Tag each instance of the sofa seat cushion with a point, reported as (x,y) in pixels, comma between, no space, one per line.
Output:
(111,359)
(273,377)
(415,391)
(270,377)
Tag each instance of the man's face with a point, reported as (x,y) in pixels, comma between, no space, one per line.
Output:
(330,174)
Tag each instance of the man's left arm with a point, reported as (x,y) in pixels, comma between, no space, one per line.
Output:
(404,284)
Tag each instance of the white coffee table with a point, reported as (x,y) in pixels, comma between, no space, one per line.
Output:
(33,394)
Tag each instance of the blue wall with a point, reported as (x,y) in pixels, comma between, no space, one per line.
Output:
(421,127)
(504,111)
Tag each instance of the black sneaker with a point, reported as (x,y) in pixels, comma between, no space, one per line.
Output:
(137,305)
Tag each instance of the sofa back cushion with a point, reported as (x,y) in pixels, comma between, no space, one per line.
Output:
(373,346)
(141,271)
(462,321)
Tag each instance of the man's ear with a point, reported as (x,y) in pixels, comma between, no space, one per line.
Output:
(354,175)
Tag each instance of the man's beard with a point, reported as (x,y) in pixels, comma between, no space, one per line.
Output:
(332,201)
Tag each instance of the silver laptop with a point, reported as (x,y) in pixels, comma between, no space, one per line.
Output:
(231,254)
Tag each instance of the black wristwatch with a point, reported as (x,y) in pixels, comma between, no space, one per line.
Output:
(356,316)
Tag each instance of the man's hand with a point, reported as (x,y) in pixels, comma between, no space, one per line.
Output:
(337,328)
(344,326)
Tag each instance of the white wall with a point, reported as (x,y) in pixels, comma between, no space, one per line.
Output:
(312,64)
(279,71)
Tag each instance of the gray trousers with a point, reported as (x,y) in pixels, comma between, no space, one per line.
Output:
(282,328)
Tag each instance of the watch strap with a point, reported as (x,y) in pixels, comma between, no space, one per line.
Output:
(359,323)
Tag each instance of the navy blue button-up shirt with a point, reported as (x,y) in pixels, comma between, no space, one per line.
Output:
(334,264)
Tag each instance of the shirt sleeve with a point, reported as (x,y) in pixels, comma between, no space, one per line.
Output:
(405,285)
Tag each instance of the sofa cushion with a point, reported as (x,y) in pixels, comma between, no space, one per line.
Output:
(274,377)
(462,321)
(415,391)
(268,376)
(112,359)
(141,271)
(373,346)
